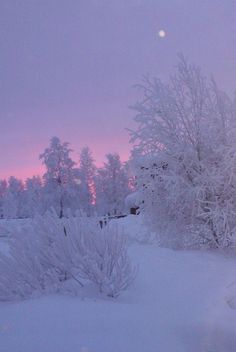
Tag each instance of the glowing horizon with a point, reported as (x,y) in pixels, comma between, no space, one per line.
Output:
(37,169)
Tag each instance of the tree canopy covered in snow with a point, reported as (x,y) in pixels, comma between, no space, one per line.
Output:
(112,186)
(184,155)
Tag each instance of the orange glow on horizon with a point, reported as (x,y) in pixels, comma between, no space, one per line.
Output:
(99,152)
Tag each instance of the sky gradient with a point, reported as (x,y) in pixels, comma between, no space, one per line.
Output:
(67,68)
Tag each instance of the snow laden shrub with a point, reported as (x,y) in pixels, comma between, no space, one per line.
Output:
(184,158)
(22,272)
(52,250)
(105,260)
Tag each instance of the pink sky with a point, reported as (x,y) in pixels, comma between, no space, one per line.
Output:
(102,135)
(68,68)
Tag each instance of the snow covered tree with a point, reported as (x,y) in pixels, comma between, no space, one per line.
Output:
(3,189)
(13,200)
(87,171)
(34,196)
(184,152)
(112,186)
(61,177)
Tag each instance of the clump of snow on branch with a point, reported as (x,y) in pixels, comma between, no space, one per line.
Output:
(50,251)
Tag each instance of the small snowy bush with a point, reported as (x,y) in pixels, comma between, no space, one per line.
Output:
(53,250)
(105,261)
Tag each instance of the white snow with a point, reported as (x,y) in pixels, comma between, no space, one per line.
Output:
(178,303)
(131,201)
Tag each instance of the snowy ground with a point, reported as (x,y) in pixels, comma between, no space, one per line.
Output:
(178,303)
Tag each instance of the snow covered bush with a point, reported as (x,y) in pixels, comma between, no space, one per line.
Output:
(52,250)
(184,157)
(105,260)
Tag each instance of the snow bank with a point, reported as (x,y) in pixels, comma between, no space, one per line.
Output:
(135,229)
(176,304)
(131,201)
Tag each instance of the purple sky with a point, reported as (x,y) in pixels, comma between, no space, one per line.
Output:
(67,67)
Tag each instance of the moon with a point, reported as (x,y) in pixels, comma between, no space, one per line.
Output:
(162,33)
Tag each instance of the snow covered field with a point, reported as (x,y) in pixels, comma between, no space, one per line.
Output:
(178,303)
